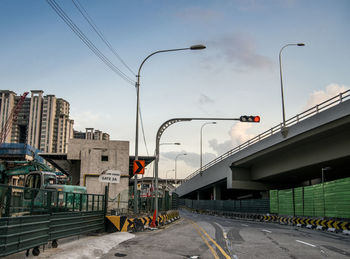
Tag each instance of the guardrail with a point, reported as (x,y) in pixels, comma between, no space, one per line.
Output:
(294,120)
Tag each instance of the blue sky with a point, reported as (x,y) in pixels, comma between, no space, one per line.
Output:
(237,74)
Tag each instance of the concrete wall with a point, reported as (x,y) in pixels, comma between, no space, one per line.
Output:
(93,155)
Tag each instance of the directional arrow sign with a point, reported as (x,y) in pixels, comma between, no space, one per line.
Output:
(139,166)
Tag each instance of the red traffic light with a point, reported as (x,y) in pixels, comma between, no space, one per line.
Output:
(249,118)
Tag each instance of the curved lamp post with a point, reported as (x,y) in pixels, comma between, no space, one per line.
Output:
(160,132)
(194,47)
(280,61)
(201,156)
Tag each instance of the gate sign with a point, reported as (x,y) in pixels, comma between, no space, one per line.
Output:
(139,167)
(110,176)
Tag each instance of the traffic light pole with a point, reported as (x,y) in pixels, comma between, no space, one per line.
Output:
(170,122)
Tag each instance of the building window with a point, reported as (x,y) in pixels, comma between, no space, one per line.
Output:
(104,158)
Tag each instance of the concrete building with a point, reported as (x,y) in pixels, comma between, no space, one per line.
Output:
(90,158)
(43,121)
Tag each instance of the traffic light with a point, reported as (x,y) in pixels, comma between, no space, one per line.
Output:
(249,118)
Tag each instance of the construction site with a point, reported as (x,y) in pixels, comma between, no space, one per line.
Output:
(64,184)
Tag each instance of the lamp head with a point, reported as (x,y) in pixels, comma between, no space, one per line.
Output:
(197,47)
(177,143)
(300,44)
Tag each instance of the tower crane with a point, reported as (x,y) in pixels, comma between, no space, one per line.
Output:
(12,118)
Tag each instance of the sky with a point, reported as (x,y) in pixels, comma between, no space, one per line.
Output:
(237,74)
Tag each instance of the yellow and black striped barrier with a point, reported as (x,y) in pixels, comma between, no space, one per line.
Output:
(125,224)
(324,224)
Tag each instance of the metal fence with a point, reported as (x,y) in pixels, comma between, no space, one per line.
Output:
(33,217)
(21,201)
(294,120)
(146,204)
(244,206)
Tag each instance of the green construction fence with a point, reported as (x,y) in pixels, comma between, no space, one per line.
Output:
(330,199)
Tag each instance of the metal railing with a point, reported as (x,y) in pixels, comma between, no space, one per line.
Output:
(20,201)
(294,120)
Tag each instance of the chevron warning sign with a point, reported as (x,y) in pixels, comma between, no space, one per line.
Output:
(139,166)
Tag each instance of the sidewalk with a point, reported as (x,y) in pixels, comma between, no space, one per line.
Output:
(85,247)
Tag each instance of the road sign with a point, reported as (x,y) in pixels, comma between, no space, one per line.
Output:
(110,176)
(139,166)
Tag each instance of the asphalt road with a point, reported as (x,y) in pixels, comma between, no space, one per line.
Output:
(204,236)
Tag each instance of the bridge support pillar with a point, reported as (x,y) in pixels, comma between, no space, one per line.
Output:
(200,195)
(217,192)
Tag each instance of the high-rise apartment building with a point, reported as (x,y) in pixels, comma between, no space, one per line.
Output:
(43,121)
(35,113)
(92,134)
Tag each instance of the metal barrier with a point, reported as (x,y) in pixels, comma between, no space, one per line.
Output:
(294,120)
(245,206)
(146,204)
(33,217)
(21,201)
(22,233)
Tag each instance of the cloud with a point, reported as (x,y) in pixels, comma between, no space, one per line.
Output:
(204,99)
(320,96)
(238,135)
(89,119)
(191,159)
(220,148)
(240,50)
(198,14)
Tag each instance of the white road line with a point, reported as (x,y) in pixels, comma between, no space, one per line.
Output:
(268,231)
(305,243)
(244,225)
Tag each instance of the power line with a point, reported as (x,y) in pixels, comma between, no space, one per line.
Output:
(87,42)
(88,18)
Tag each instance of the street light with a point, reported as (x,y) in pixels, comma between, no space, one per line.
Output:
(176,143)
(182,154)
(160,131)
(201,158)
(280,61)
(194,47)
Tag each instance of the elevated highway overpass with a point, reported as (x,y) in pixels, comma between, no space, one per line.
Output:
(282,157)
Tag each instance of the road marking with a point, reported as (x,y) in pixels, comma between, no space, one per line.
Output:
(212,240)
(206,242)
(244,225)
(305,243)
(268,231)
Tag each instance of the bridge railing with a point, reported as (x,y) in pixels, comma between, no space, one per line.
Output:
(294,120)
